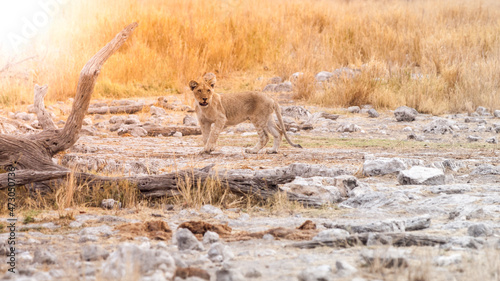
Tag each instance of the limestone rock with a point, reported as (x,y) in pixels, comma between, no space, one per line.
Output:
(440,126)
(480,229)
(405,113)
(317,273)
(187,241)
(138,132)
(421,175)
(372,113)
(93,253)
(156,264)
(382,166)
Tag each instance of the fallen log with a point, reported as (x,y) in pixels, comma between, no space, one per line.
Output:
(168,185)
(390,225)
(396,239)
(117,109)
(169,131)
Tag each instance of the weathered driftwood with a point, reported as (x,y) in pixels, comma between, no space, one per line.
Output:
(396,225)
(396,239)
(168,131)
(116,109)
(329,116)
(35,152)
(42,114)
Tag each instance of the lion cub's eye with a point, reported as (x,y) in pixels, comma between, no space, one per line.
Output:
(212,85)
(208,90)
(199,91)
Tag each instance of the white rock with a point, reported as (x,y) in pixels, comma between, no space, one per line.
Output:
(220,253)
(324,76)
(348,128)
(421,175)
(87,121)
(321,188)
(473,138)
(189,121)
(389,257)
(295,76)
(210,237)
(110,204)
(372,113)
(131,120)
(405,113)
(138,132)
(344,269)
(157,111)
(382,166)
(482,111)
(480,229)
(97,230)
(331,234)
(187,241)
(93,253)
(116,119)
(447,260)
(209,209)
(440,126)
(88,238)
(228,275)
(492,140)
(317,273)
(353,109)
(177,135)
(130,259)
(44,256)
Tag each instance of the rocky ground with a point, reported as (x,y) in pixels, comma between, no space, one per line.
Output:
(407,196)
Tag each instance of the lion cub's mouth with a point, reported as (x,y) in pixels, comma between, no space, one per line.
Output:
(204,103)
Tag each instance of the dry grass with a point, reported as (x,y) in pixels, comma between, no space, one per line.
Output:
(453,45)
(71,195)
(481,265)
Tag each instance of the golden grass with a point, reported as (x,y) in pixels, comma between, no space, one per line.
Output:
(453,45)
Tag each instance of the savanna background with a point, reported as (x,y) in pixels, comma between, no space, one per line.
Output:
(436,56)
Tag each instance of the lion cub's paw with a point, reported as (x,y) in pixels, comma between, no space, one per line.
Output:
(271,151)
(251,151)
(204,152)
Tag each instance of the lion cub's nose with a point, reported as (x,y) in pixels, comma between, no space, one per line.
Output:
(204,99)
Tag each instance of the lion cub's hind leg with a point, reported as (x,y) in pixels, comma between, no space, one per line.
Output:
(273,129)
(263,138)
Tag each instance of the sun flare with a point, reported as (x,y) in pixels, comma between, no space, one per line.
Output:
(20,21)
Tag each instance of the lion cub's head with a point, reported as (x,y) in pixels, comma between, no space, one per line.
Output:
(203,91)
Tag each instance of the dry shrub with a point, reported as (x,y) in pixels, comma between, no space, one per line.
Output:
(193,193)
(305,86)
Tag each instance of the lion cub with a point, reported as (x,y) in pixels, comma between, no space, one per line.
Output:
(232,109)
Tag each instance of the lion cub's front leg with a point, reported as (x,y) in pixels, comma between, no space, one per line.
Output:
(214,135)
(205,130)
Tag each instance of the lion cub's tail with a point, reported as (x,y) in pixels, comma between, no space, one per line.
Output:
(277,110)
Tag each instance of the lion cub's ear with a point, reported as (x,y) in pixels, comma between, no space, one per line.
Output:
(193,84)
(210,79)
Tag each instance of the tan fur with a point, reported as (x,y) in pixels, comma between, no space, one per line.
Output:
(232,109)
